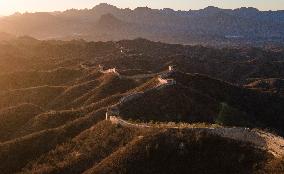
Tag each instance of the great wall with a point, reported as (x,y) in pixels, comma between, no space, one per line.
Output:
(260,139)
(163,80)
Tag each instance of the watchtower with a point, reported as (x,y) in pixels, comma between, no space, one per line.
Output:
(112,111)
(101,68)
(172,68)
(171,82)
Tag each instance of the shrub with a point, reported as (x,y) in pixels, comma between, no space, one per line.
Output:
(230,116)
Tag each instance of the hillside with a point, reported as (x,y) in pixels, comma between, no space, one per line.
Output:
(198,98)
(43,59)
(275,86)
(27,79)
(13,117)
(216,111)
(170,151)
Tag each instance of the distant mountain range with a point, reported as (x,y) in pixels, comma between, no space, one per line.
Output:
(212,25)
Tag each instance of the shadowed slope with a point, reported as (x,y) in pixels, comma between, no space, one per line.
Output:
(262,109)
(48,120)
(182,151)
(171,103)
(199,98)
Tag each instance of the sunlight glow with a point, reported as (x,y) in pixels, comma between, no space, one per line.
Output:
(8,7)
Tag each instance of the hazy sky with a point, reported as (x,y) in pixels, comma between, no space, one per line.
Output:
(11,6)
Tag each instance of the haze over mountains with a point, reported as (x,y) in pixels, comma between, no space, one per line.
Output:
(95,91)
(104,22)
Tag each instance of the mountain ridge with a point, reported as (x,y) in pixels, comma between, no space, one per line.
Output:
(234,27)
(59,98)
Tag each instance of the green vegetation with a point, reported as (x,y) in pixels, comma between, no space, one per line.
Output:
(229,116)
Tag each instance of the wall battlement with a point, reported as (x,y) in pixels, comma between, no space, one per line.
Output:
(111,70)
(261,140)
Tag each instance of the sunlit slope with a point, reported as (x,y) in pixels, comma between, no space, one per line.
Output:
(27,79)
(85,150)
(41,96)
(14,117)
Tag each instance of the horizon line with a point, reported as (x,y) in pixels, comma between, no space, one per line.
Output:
(125,8)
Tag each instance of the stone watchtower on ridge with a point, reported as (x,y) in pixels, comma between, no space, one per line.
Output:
(112,111)
(172,68)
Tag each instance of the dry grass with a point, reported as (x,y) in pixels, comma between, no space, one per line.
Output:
(36,95)
(15,154)
(28,79)
(48,120)
(58,131)
(14,117)
(83,151)
(182,151)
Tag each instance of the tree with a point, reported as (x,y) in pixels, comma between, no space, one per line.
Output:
(230,116)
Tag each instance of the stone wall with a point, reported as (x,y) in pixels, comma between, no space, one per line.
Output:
(262,140)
